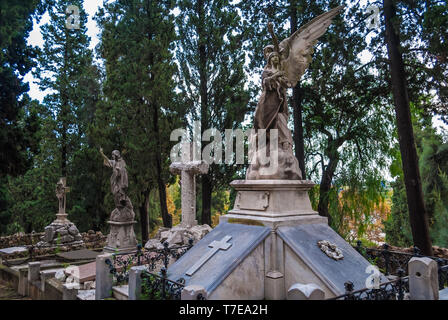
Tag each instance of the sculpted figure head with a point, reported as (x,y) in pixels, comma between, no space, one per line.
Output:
(116,155)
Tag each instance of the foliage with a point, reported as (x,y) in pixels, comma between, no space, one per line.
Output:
(432,148)
(212,79)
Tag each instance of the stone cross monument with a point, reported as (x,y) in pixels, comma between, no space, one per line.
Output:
(188,170)
(61,194)
(61,232)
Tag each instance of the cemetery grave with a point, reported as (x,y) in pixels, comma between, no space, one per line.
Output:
(182,224)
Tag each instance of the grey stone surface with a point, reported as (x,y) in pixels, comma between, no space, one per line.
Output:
(83,254)
(311,291)
(443,294)
(246,281)
(423,279)
(33,271)
(121,237)
(60,275)
(135,282)
(188,171)
(192,292)
(302,241)
(70,291)
(273,203)
(86,294)
(121,292)
(178,235)
(104,279)
(212,273)
(12,250)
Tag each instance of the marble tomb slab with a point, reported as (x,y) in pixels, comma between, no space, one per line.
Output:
(303,240)
(13,250)
(83,254)
(217,255)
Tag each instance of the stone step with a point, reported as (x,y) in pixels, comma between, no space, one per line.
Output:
(86,294)
(121,292)
(443,294)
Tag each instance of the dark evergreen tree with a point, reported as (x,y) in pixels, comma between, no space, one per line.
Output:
(140,108)
(212,78)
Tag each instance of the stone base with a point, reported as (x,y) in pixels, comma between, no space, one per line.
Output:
(121,237)
(272,203)
(61,232)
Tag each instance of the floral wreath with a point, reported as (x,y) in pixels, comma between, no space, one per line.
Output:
(330,249)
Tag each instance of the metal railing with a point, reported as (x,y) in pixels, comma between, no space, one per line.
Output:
(121,263)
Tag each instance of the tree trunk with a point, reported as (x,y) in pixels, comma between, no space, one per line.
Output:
(207,186)
(325,186)
(206,181)
(296,103)
(417,212)
(166,217)
(144,222)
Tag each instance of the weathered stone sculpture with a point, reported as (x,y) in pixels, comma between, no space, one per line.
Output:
(121,236)
(124,210)
(286,61)
(61,232)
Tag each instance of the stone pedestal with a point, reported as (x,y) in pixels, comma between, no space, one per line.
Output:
(61,232)
(121,237)
(272,203)
(273,237)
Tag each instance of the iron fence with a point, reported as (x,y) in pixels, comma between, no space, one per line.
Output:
(121,263)
(397,289)
(395,264)
(390,261)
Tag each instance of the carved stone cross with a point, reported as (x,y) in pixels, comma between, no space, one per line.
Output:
(61,191)
(216,246)
(188,171)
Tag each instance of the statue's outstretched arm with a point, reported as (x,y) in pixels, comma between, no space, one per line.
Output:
(107,161)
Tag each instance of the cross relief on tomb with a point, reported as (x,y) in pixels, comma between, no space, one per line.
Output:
(215,247)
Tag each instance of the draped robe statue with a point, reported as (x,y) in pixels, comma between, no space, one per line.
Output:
(124,210)
(286,63)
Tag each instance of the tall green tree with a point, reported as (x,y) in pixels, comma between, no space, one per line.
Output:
(64,63)
(212,78)
(18,121)
(433,159)
(346,124)
(417,210)
(140,108)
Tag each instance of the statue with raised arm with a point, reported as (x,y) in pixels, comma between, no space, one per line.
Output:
(119,184)
(286,61)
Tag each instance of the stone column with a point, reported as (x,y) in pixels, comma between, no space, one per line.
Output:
(33,272)
(23,282)
(423,279)
(135,282)
(274,280)
(70,291)
(104,279)
(188,172)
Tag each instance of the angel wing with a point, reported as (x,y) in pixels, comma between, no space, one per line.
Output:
(297,49)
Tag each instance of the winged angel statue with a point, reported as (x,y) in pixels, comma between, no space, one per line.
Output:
(287,61)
